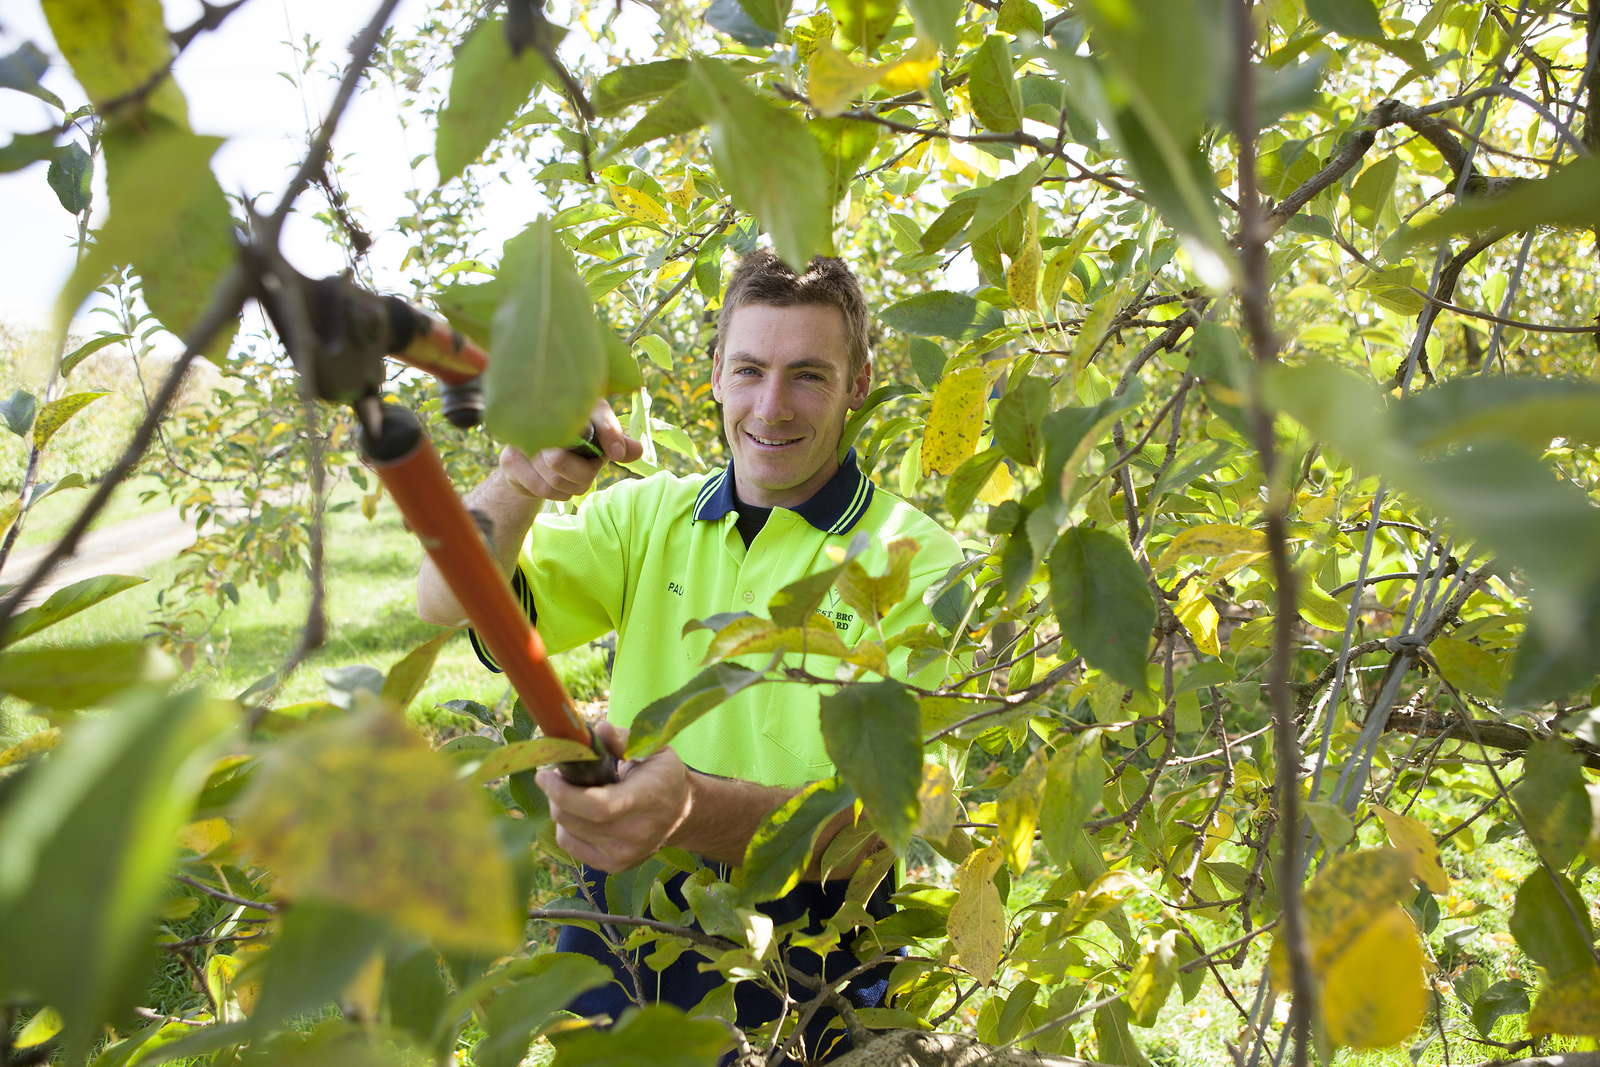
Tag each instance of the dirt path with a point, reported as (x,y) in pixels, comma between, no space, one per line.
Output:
(132,546)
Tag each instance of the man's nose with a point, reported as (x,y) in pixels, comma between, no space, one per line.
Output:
(772,405)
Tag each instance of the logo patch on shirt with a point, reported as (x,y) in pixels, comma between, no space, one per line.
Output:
(674,587)
(841,619)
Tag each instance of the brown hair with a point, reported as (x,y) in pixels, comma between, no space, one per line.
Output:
(763,278)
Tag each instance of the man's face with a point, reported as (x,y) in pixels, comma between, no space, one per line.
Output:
(783,377)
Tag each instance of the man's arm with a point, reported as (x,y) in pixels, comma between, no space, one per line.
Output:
(660,802)
(510,498)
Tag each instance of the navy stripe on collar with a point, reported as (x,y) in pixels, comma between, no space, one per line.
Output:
(833,509)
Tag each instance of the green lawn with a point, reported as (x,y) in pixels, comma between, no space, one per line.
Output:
(371,620)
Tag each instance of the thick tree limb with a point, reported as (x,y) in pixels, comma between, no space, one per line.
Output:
(1505,736)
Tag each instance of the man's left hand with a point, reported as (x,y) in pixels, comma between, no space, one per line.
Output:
(615,827)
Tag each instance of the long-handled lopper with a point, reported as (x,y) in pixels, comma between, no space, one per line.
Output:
(353,330)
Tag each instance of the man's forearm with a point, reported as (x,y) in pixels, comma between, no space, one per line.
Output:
(724,814)
(510,512)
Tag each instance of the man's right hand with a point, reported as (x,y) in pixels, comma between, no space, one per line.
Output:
(510,497)
(561,474)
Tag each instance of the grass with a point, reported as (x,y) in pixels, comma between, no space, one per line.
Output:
(49,519)
(369,603)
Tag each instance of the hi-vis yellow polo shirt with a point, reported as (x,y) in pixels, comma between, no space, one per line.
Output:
(644,557)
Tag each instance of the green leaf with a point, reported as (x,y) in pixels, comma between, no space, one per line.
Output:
(115,47)
(22,69)
(1169,57)
(360,813)
(65,602)
(548,343)
(1174,174)
(1551,924)
(68,678)
(620,89)
(1070,434)
(872,734)
(1353,18)
(89,348)
(794,603)
(1018,807)
(864,23)
(782,845)
(57,412)
(658,1034)
(1113,1038)
(1553,802)
(675,113)
(26,149)
(70,175)
(1569,197)
(941,313)
(311,962)
(730,17)
(1530,411)
(1372,191)
(499,761)
(768,14)
(1017,417)
(662,720)
(45,1024)
(86,840)
(1073,781)
(18,412)
(488,87)
(995,99)
(407,677)
(520,1011)
(845,145)
(1331,823)
(937,19)
(766,161)
(967,480)
(1506,997)
(1100,596)
(168,219)
(1152,980)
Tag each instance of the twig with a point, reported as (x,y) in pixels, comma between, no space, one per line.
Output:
(1254,230)
(226,897)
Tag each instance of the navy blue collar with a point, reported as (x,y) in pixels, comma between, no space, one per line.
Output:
(833,509)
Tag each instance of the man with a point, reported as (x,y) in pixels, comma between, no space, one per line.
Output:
(644,557)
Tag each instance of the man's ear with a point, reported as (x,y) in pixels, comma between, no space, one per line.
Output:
(861,386)
(716,374)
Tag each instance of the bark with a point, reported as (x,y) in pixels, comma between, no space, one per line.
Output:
(914,1048)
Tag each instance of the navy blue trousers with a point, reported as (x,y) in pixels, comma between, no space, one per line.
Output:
(683,985)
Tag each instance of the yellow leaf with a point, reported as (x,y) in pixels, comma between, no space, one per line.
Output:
(1570,1006)
(1346,893)
(57,412)
(1212,539)
(1152,979)
(221,970)
(638,205)
(977,920)
(682,195)
(834,80)
(1411,837)
(1199,617)
(912,70)
(956,417)
(936,799)
(1317,508)
(1320,609)
(32,745)
(1022,275)
(41,1028)
(360,812)
(1018,809)
(1373,993)
(1221,833)
(248,991)
(876,595)
(525,755)
(8,515)
(1468,666)
(205,835)
(998,489)
(362,998)
(749,634)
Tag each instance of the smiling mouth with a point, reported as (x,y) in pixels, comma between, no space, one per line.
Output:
(771,442)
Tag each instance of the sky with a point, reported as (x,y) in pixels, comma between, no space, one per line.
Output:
(235,87)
